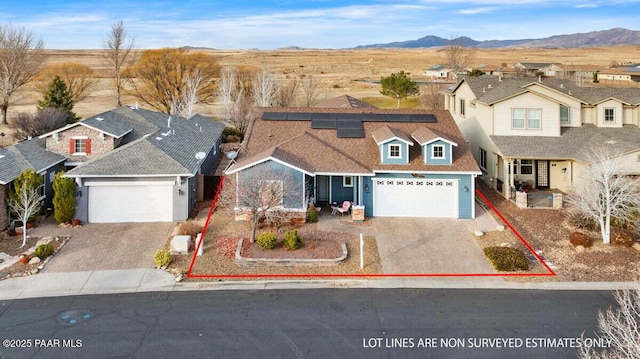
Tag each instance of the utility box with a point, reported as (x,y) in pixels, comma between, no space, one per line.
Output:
(180,244)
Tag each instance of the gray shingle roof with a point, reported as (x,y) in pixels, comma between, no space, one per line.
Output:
(30,154)
(156,145)
(574,143)
(490,89)
(110,123)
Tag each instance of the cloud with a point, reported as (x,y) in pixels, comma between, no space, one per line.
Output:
(480,10)
(581,6)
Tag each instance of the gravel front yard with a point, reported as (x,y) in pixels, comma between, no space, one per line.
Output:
(548,230)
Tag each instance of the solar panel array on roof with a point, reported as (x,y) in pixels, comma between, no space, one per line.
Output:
(348,125)
(365,117)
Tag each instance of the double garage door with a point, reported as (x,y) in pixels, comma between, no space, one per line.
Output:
(130,202)
(411,197)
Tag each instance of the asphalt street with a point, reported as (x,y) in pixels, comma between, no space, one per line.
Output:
(304,323)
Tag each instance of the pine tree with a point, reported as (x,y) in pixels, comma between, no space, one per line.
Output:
(58,96)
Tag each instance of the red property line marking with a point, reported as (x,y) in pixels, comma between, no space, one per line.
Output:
(486,200)
(206,225)
(372,275)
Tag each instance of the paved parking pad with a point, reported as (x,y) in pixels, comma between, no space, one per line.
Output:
(107,246)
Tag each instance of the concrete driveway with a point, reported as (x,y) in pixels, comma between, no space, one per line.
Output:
(424,245)
(102,246)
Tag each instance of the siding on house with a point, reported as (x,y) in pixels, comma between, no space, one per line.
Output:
(550,123)
(4,211)
(294,197)
(404,153)
(427,152)
(600,110)
(339,193)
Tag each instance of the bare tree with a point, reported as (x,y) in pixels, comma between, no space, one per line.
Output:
(458,56)
(620,328)
(605,192)
(286,92)
(430,97)
(118,45)
(242,111)
(264,88)
(26,201)
(21,56)
(185,106)
(27,125)
(310,93)
(227,90)
(78,78)
(260,190)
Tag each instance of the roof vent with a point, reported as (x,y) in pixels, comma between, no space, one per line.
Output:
(158,138)
(484,89)
(169,122)
(490,86)
(99,119)
(540,78)
(500,78)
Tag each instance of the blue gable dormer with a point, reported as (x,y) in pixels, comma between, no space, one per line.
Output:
(393,146)
(437,149)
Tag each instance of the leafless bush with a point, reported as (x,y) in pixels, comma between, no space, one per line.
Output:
(189,228)
(26,125)
(620,327)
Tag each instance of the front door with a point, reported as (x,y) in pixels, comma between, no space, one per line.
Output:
(322,188)
(542,174)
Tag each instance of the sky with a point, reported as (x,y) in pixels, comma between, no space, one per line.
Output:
(272,24)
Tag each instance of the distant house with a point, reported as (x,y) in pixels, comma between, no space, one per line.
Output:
(536,68)
(626,74)
(439,72)
(541,132)
(129,164)
(398,163)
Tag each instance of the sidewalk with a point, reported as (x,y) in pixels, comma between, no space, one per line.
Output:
(149,280)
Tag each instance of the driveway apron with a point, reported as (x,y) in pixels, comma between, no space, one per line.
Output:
(102,246)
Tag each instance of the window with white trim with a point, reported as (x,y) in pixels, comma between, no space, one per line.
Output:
(394,151)
(483,158)
(526,118)
(437,151)
(609,115)
(526,167)
(564,114)
(80,145)
(347,181)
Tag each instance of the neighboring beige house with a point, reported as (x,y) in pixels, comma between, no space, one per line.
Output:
(439,72)
(541,132)
(629,74)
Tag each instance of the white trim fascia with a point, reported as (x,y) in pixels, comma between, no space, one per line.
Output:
(188,175)
(105,132)
(80,124)
(473,196)
(46,168)
(394,138)
(234,170)
(434,140)
(343,174)
(429,172)
(129,183)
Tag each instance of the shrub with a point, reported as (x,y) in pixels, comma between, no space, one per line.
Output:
(43,251)
(231,131)
(189,228)
(162,257)
(622,237)
(507,259)
(267,240)
(625,223)
(64,198)
(312,214)
(292,240)
(580,239)
(580,220)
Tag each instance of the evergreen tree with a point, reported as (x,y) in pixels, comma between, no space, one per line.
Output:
(64,198)
(58,96)
(399,86)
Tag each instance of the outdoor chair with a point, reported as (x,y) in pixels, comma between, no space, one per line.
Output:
(346,205)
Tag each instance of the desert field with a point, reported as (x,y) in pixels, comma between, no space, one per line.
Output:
(337,70)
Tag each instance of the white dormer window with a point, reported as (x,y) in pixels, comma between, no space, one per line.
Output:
(609,115)
(437,151)
(564,114)
(394,151)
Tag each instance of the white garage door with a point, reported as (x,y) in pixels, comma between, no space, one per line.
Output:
(415,198)
(130,203)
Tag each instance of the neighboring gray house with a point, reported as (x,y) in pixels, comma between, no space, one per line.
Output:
(30,154)
(136,165)
(395,163)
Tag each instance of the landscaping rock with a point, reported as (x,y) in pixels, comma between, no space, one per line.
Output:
(34,260)
(636,246)
(478,233)
(500,228)
(505,244)
(580,239)
(580,249)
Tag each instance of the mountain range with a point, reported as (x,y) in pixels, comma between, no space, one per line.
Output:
(612,37)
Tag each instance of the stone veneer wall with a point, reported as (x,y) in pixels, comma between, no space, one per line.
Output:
(98,145)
